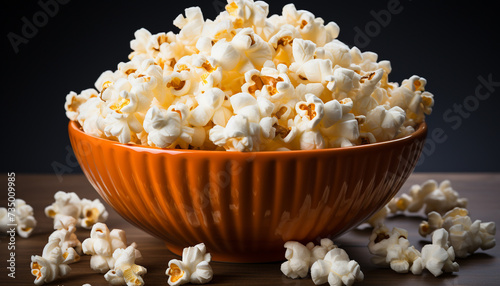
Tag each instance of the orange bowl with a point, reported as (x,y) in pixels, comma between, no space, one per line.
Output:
(245,206)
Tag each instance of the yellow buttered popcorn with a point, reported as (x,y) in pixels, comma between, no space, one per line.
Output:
(240,78)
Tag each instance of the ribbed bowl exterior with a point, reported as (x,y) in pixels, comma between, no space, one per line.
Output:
(244,206)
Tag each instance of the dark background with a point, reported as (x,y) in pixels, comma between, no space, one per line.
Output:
(451,44)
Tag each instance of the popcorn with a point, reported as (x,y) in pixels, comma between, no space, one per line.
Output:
(300,257)
(439,199)
(249,71)
(71,247)
(102,244)
(84,211)
(393,249)
(239,134)
(125,271)
(439,257)
(383,123)
(193,268)
(22,217)
(298,260)
(50,266)
(65,204)
(336,269)
(93,212)
(465,236)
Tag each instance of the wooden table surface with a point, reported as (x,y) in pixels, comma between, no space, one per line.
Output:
(482,268)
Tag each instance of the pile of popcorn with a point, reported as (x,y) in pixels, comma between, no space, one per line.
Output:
(249,82)
(453,233)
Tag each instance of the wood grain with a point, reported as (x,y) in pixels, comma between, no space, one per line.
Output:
(482,268)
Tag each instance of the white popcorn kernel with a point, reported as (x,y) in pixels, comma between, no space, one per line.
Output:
(50,266)
(464,235)
(210,106)
(92,213)
(125,271)
(193,268)
(225,55)
(303,51)
(167,128)
(65,204)
(240,134)
(102,244)
(246,105)
(434,221)
(336,269)
(339,126)
(342,82)
(319,251)
(191,26)
(179,83)
(364,102)
(393,249)
(298,260)
(71,247)
(22,217)
(436,198)
(438,257)
(253,49)
(74,101)
(443,199)
(382,123)
(311,111)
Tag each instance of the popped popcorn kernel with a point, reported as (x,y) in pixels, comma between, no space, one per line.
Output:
(102,244)
(337,269)
(51,265)
(439,257)
(193,268)
(300,257)
(24,219)
(125,271)
(439,198)
(279,58)
(465,236)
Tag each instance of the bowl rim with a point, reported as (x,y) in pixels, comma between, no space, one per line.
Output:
(420,132)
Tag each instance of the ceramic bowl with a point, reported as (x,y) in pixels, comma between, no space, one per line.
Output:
(245,206)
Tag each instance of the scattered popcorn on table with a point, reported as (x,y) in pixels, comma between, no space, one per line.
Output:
(336,269)
(439,257)
(248,82)
(92,212)
(393,249)
(298,260)
(436,198)
(65,204)
(70,246)
(50,266)
(300,257)
(125,271)
(102,244)
(22,216)
(193,268)
(464,235)
(85,211)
